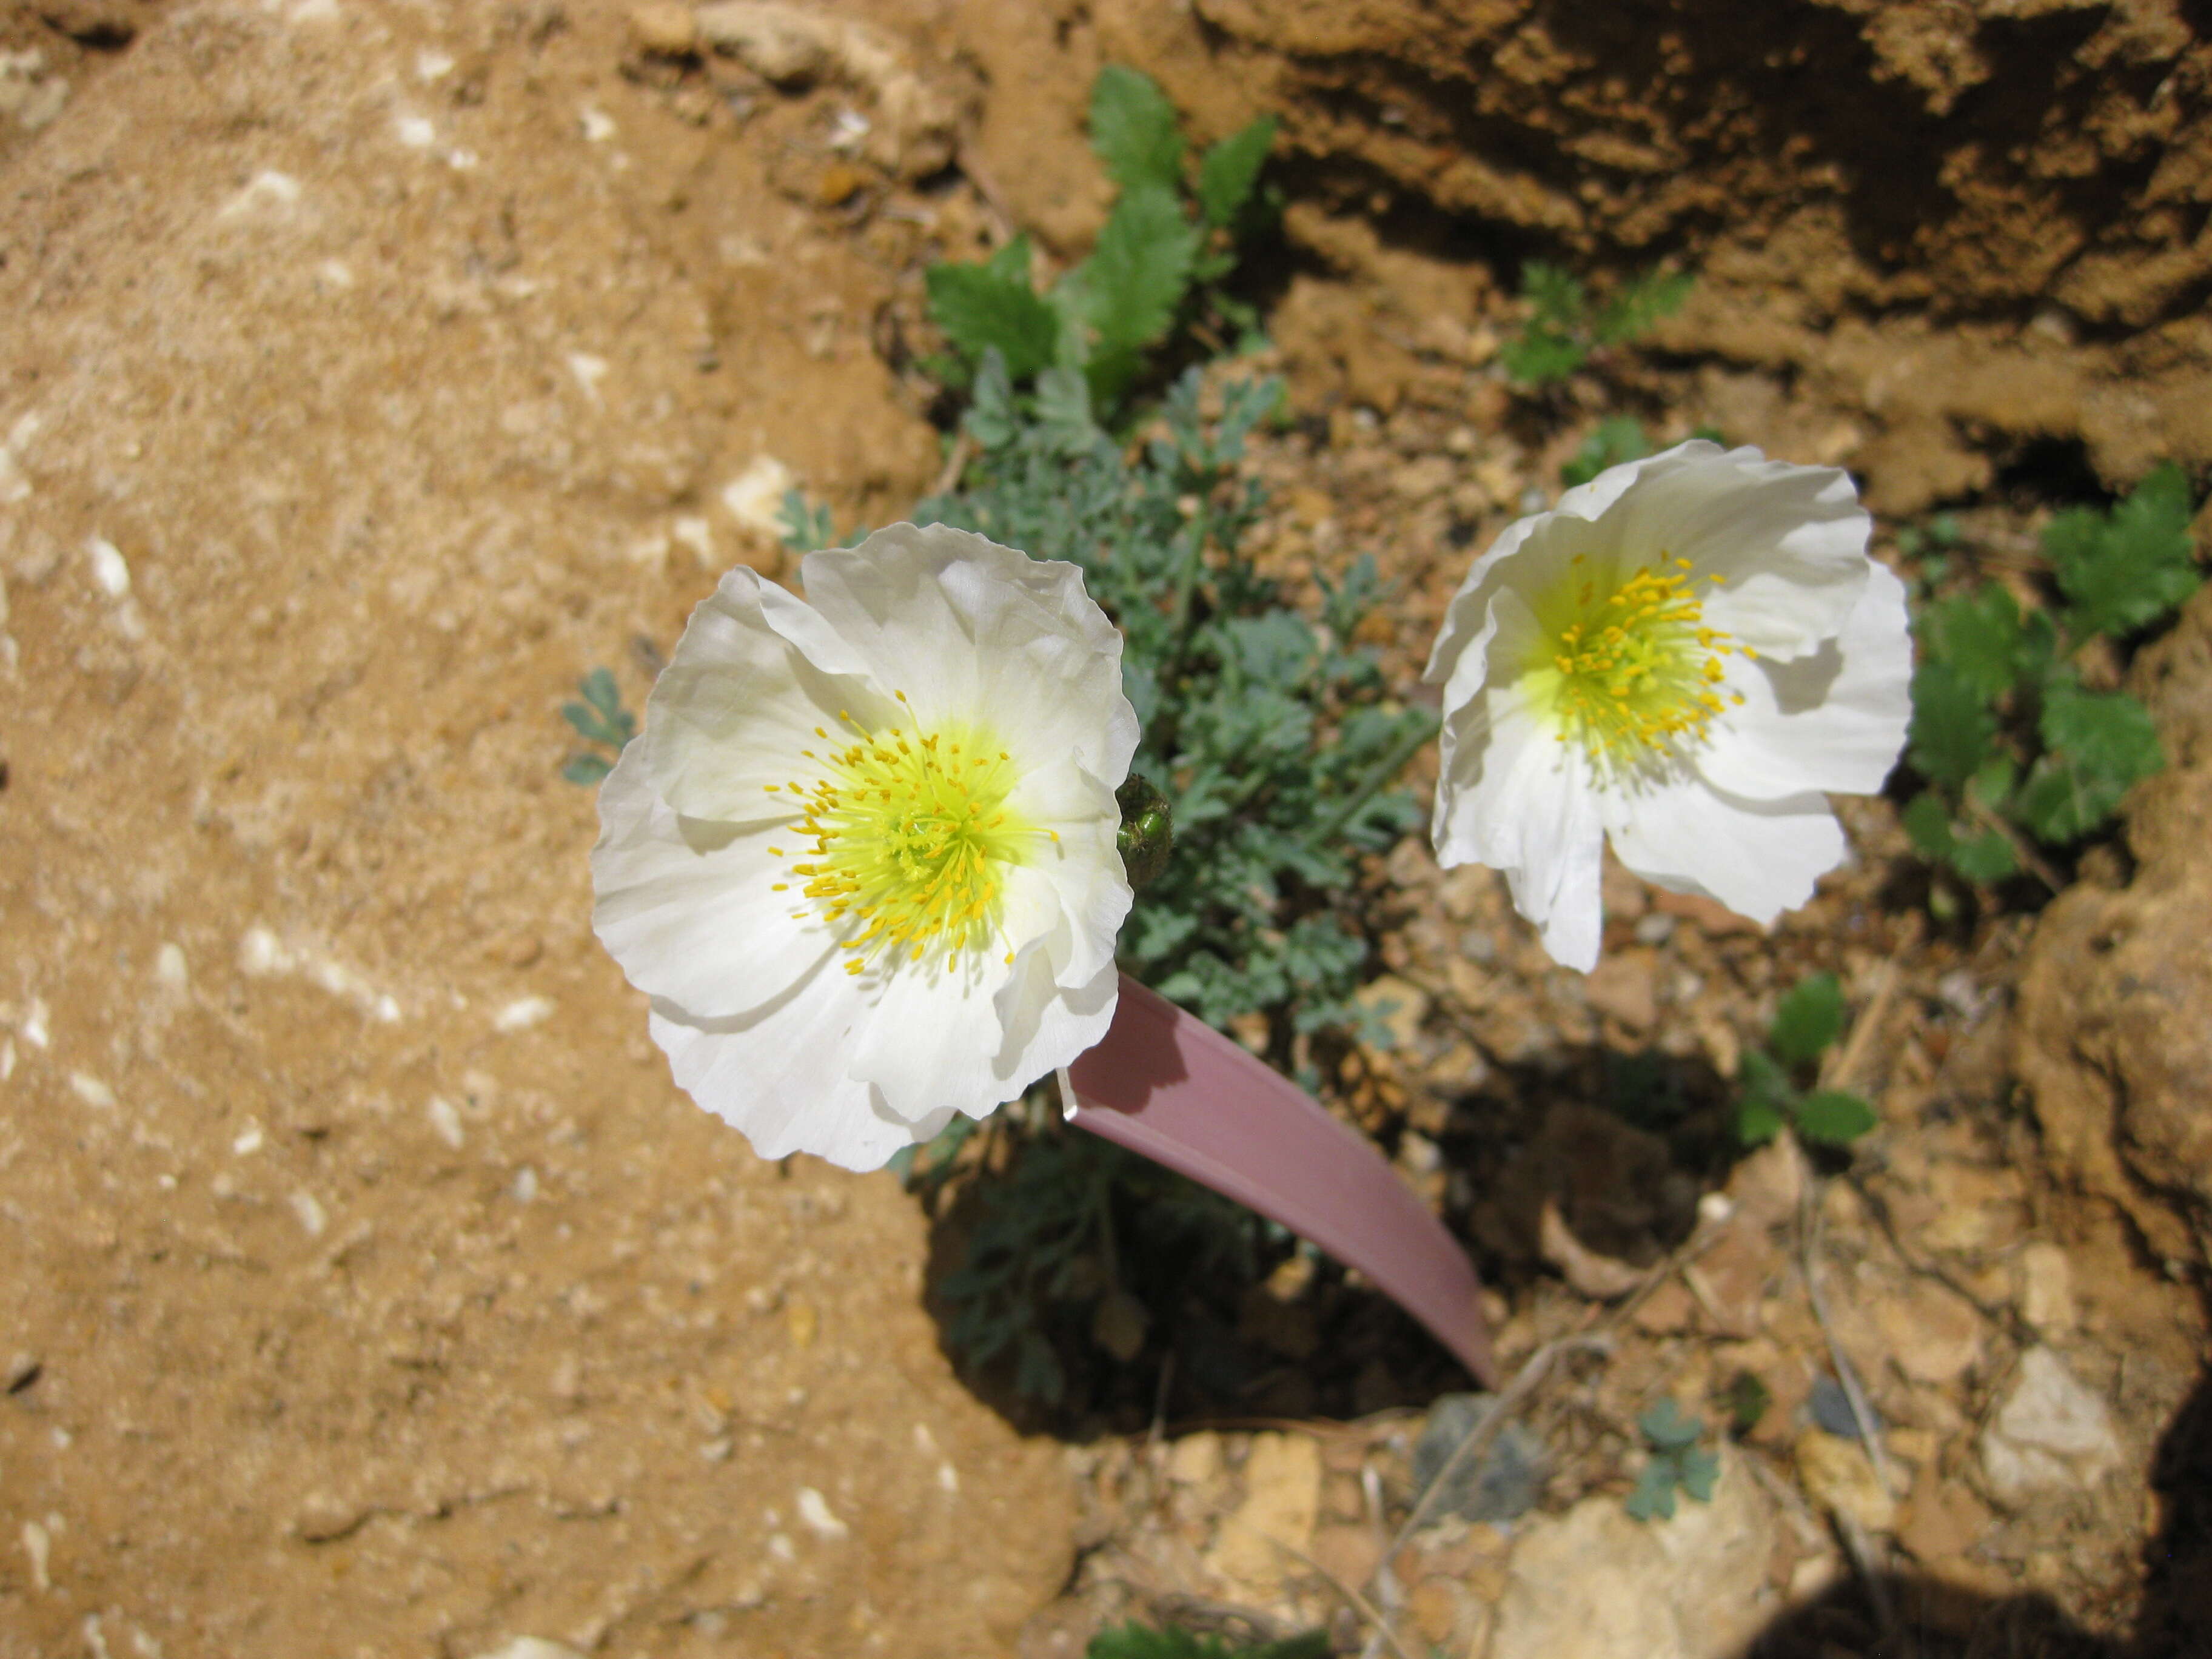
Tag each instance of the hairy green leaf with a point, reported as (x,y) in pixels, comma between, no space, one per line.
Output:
(1952,729)
(1137,273)
(1135,130)
(2125,569)
(981,308)
(1977,636)
(2099,744)
(1231,169)
(1832,1117)
(1809,1017)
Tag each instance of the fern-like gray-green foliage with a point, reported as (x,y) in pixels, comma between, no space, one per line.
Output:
(2012,746)
(1273,739)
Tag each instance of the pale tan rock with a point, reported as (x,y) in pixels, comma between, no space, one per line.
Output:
(1932,1334)
(1195,1460)
(665,29)
(2051,1434)
(2045,1274)
(1595,1584)
(1281,1502)
(1838,1475)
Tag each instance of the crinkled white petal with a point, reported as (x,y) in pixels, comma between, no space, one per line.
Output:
(1084,868)
(776,1075)
(978,1034)
(755,673)
(1758,858)
(1513,797)
(687,906)
(1834,719)
(961,624)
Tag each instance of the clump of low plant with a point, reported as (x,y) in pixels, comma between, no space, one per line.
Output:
(602,722)
(1566,327)
(1806,1022)
(1155,280)
(1675,1461)
(1135,1641)
(2020,759)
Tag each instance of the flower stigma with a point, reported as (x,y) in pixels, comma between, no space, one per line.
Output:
(1631,672)
(911,839)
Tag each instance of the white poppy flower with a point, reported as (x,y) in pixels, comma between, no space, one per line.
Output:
(863,856)
(1683,655)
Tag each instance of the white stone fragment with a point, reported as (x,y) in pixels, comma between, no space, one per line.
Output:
(814,1510)
(248,1140)
(531,1647)
(431,65)
(782,1548)
(309,1209)
(110,572)
(39,1544)
(754,496)
(446,1120)
(589,372)
(7,1058)
(415,131)
(2052,1433)
(597,125)
(32,1025)
(92,1091)
(689,530)
(334,276)
(260,953)
(170,971)
(525,1185)
(521,1014)
(268,189)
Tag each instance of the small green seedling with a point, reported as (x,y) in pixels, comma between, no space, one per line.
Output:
(1676,1461)
(600,720)
(1564,328)
(1809,1020)
(2018,755)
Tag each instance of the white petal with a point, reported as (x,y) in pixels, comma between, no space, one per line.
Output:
(755,673)
(1788,543)
(1832,720)
(687,907)
(1083,868)
(775,1075)
(932,1037)
(1514,797)
(1758,858)
(972,631)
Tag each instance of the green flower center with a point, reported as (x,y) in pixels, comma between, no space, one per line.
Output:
(912,839)
(1633,671)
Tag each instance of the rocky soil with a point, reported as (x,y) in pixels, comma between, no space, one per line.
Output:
(369,372)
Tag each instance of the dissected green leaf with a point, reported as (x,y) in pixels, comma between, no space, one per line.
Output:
(2125,569)
(1631,312)
(586,769)
(1654,1497)
(1542,355)
(1977,636)
(1952,729)
(1231,169)
(1138,271)
(1555,295)
(1696,1469)
(1134,130)
(2099,744)
(981,308)
(1985,858)
(1663,1424)
(1809,1017)
(1833,1117)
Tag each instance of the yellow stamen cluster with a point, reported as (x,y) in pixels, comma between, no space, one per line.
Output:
(911,837)
(1631,672)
